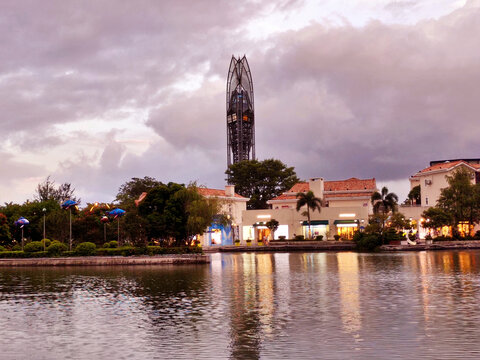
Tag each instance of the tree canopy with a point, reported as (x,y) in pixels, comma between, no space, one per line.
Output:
(131,190)
(47,191)
(177,213)
(261,180)
(384,201)
(414,196)
(461,199)
(309,200)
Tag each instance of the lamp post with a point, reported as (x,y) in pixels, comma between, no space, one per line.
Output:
(44,212)
(70,214)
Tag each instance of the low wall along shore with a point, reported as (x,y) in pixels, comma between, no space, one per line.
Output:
(109,260)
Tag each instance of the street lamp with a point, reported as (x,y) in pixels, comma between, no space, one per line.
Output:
(44,212)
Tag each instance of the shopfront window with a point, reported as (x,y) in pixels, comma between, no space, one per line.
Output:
(314,231)
(346,231)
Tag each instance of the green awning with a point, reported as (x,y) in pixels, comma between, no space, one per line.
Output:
(316,222)
(336,222)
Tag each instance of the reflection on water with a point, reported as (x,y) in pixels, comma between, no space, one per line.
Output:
(248,306)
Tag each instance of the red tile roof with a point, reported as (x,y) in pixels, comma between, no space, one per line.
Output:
(216,192)
(300,187)
(349,195)
(446,166)
(350,184)
(337,186)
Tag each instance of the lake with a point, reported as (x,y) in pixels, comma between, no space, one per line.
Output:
(248,306)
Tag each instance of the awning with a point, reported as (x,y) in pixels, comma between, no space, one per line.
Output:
(346,223)
(316,222)
(340,222)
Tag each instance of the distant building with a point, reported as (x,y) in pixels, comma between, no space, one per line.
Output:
(432,180)
(346,209)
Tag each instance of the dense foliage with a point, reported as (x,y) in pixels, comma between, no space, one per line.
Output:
(170,215)
(261,180)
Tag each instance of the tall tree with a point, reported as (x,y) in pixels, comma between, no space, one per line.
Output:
(414,196)
(461,199)
(383,202)
(176,213)
(309,200)
(261,180)
(48,191)
(135,226)
(436,217)
(132,189)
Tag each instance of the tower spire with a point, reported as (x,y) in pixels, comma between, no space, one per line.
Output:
(240,112)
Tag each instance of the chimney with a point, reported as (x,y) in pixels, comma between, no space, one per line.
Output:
(230,190)
(317,186)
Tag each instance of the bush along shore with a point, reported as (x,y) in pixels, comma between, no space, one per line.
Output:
(47,248)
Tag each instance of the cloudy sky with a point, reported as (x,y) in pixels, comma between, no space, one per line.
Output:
(95,92)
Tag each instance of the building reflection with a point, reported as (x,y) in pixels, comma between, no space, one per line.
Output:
(252,304)
(349,292)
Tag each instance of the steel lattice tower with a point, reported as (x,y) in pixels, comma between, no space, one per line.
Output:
(240,112)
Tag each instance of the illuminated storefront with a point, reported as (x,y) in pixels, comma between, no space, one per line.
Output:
(346,228)
(316,228)
(218,234)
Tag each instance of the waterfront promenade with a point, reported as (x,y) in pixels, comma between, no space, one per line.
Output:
(186,259)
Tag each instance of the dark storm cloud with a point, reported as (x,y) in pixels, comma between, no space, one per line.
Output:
(381,100)
(374,101)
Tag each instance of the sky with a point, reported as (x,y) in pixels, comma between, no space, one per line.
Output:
(96,92)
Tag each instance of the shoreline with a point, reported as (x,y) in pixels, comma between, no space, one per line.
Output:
(341,246)
(184,259)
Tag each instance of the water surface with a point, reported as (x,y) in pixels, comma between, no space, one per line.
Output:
(268,306)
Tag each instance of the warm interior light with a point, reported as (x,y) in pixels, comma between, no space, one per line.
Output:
(264,216)
(346,215)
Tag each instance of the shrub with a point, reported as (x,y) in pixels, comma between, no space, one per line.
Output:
(428,237)
(367,242)
(33,246)
(336,237)
(477,235)
(86,249)
(47,242)
(299,237)
(12,254)
(282,237)
(2,249)
(56,248)
(319,237)
(17,247)
(113,244)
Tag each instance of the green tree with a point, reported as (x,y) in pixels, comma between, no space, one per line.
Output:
(131,190)
(134,226)
(461,199)
(414,196)
(47,191)
(309,200)
(261,180)
(272,225)
(176,213)
(398,222)
(436,217)
(383,202)
(5,236)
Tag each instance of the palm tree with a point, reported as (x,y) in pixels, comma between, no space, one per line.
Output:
(385,202)
(311,202)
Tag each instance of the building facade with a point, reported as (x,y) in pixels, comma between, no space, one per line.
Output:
(346,208)
(232,205)
(432,180)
